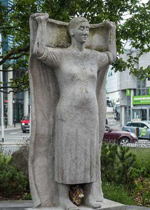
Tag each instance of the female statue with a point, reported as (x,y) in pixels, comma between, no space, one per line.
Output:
(76,116)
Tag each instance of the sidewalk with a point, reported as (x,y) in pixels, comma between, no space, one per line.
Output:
(11,127)
(114,124)
(137,208)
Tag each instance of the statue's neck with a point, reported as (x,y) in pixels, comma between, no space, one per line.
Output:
(77,46)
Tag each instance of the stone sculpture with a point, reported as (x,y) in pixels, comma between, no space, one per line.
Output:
(67,79)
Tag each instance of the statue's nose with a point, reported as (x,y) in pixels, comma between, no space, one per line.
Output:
(85,31)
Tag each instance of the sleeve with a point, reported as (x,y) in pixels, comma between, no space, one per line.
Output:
(50,57)
(105,58)
(110,57)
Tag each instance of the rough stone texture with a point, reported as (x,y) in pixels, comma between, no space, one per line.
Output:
(20,159)
(106,205)
(68,108)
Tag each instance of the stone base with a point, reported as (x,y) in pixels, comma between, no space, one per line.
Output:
(106,205)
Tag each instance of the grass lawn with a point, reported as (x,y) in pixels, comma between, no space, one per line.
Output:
(117,193)
(142,157)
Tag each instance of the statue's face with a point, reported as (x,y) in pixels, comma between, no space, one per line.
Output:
(81,32)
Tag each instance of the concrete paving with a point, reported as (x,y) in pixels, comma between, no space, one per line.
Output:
(24,205)
(137,208)
(11,127)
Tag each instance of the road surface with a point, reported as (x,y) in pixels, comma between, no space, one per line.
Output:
(13,139)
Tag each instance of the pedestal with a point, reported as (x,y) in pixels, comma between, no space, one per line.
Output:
(106,205)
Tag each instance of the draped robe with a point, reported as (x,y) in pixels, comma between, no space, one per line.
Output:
(76,117)
(65,137)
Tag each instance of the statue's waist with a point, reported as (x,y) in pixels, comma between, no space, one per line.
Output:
(79,101)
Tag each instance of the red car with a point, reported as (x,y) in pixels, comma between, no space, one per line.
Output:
(25,124)
(119,137)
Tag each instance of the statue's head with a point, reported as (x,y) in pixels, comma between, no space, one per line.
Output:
(79,29)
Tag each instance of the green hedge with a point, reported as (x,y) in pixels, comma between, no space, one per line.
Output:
(12,181)
(128,171)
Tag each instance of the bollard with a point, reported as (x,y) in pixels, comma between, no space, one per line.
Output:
(137,132)
(14,122)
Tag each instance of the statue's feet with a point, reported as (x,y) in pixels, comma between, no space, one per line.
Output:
(99,199)
(93,203)
(67,204)
(64,199)
(92,198)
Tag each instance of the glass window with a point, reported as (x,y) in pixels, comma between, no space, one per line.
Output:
(26,118)
(143,125)
(128,124)
(135,125)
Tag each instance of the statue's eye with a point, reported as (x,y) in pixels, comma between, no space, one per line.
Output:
(81,28)
(87,28)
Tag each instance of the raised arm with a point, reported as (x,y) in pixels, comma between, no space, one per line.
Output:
(40,43)
(111,38)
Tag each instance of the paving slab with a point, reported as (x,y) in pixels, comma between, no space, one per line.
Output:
(28,205)
(15,204)
(105,205)
(137,208)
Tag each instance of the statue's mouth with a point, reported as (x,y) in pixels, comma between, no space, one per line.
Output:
(85,37)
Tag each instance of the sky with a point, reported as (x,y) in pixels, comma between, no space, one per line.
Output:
(144,1)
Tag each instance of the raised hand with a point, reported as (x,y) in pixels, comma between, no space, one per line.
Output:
(108,24)
(40,17)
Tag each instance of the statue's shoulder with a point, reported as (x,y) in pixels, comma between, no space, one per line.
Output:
(58,51)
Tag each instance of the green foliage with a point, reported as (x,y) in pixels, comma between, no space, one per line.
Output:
(117,193)
(20,83)
(27,196)
(142,191)
(125,163)
(142,159)
(11,181)
(15,21)
(117,164)
(126,170)
(108,161)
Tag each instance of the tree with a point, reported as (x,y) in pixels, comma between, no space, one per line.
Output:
(14,21)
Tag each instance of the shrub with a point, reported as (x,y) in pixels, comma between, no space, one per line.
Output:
(129,170)
(27,196)
(117,164)
(142,191)
(11,180)
(108,161)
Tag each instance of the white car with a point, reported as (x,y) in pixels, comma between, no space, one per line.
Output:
(140,128)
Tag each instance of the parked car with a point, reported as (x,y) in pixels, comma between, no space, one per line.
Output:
(119,137)
(25,124)
(140,128)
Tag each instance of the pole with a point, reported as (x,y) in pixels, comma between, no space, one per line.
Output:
(2,109)
(30,122)
(2,98)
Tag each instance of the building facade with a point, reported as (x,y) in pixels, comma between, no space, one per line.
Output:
(131,93)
